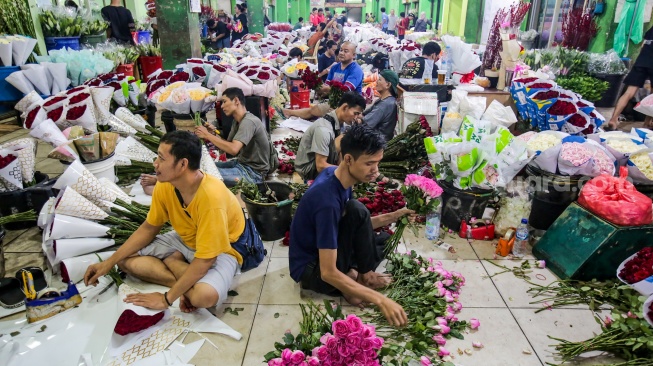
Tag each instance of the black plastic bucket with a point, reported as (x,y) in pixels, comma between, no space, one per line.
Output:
(271,221)
(31,198)
(168,118)
(459,205)
(552,194)
(613,93)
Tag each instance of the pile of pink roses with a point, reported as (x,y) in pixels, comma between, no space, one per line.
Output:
(352,343)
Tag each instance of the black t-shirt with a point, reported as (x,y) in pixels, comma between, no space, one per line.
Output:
(341,20)
(242,18)
(221,28)
(120,20)
(645,58)
(324,61)
(414,68)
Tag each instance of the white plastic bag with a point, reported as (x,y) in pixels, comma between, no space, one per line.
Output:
(499,115)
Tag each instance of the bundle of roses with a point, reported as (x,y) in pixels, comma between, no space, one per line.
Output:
(336,91)
(430,295)
(382,200)
(422,196)
(639,268)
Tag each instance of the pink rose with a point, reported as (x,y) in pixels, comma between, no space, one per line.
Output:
(377,342)
(441,321)
(355,323)
(474,323)
(312,361)
(322,353)
(285,355)
(447,282)
(443,352)
(275,362)
(366,344)
(343,350)
(439,339)
(368,331)
(444,329)
(371,354)
(332,343)
(340,328)
(297,357)
(354,340)
(325,338)
(425,361)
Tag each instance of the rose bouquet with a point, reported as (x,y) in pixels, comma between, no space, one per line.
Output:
(311,79)
(637,271)
(11,178)
(83,116)
(34,116)
(422,196)
(381,200)
(25,150)
(54,102)
(335,92)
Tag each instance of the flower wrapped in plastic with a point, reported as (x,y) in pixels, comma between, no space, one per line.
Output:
(11,178)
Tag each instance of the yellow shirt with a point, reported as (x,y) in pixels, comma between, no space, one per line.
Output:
(216,218)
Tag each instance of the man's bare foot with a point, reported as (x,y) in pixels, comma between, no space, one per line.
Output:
(374,280)
(612,125)
(354,301)
(185,305)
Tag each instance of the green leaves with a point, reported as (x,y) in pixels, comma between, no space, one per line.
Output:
(589,87)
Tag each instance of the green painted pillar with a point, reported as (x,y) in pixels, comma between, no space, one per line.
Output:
(281,9)
(137,8)
(255,16)
(34,12)
(605,35)
(178,31)
(473,18)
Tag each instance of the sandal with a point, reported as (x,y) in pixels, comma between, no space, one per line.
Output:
(11,296)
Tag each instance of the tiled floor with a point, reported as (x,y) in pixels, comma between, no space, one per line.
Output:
(513,334)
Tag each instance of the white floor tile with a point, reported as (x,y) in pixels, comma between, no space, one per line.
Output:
(280,288)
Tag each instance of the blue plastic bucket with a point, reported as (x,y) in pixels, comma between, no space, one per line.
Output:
(144,37)
(7,91)
(57,43)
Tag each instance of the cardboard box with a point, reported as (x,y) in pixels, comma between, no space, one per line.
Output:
(415,104)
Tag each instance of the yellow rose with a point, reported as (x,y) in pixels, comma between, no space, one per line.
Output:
(290,69)
(197,94)
(175,85)
(301,66)
(164,96)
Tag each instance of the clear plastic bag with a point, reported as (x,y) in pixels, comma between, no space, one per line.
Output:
(515,204)
(606,63)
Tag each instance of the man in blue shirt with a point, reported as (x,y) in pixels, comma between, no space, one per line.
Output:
(348,72)
(384,21)
(326,60)
(333,247)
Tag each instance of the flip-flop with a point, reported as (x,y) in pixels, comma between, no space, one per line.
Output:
(37,274)
(11,296)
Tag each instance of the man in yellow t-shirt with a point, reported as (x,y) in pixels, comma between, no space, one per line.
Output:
(196,260)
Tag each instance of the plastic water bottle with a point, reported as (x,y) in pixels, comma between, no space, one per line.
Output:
(521,241)
(449,67)
(432,226)
(444,65)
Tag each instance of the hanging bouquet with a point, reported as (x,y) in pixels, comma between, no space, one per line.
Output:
(336,92)
(61,21)
(311,79)
(422,196)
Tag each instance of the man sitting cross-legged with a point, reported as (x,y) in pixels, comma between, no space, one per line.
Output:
(333,247)
(196,260)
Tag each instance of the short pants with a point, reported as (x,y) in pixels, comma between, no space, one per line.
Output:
(220,275)
(638,76)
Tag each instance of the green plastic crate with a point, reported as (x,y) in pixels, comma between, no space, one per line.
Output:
(581,246)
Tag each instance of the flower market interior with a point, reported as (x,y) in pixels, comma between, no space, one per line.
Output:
(339,182)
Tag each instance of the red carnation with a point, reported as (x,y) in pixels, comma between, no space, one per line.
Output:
(639,268)
(130,322)
(55,114)
(562,108)
(6,160)
(75,112)
(79,98)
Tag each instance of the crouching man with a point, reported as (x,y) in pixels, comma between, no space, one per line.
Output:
(196,260)
(333,247)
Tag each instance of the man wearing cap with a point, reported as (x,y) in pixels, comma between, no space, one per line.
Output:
(382,114)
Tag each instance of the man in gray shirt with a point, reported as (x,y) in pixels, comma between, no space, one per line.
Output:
(392,22)
(248,142)
(382,115)
(317,148)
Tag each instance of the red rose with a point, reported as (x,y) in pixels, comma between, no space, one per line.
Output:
(31,116)
(6,160)
(75,90)
(639,268)
(108,76)
(180,76)
(115,85)
(79,98)
(154,86)
(53,100)
(525,80)
(577,120)
(75,112)
(541,86)
(55,114)
(164,75)
(581,104)
(545,95)
(93,82)
(562,108)
(250,73)
(199,71)
(130,322)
